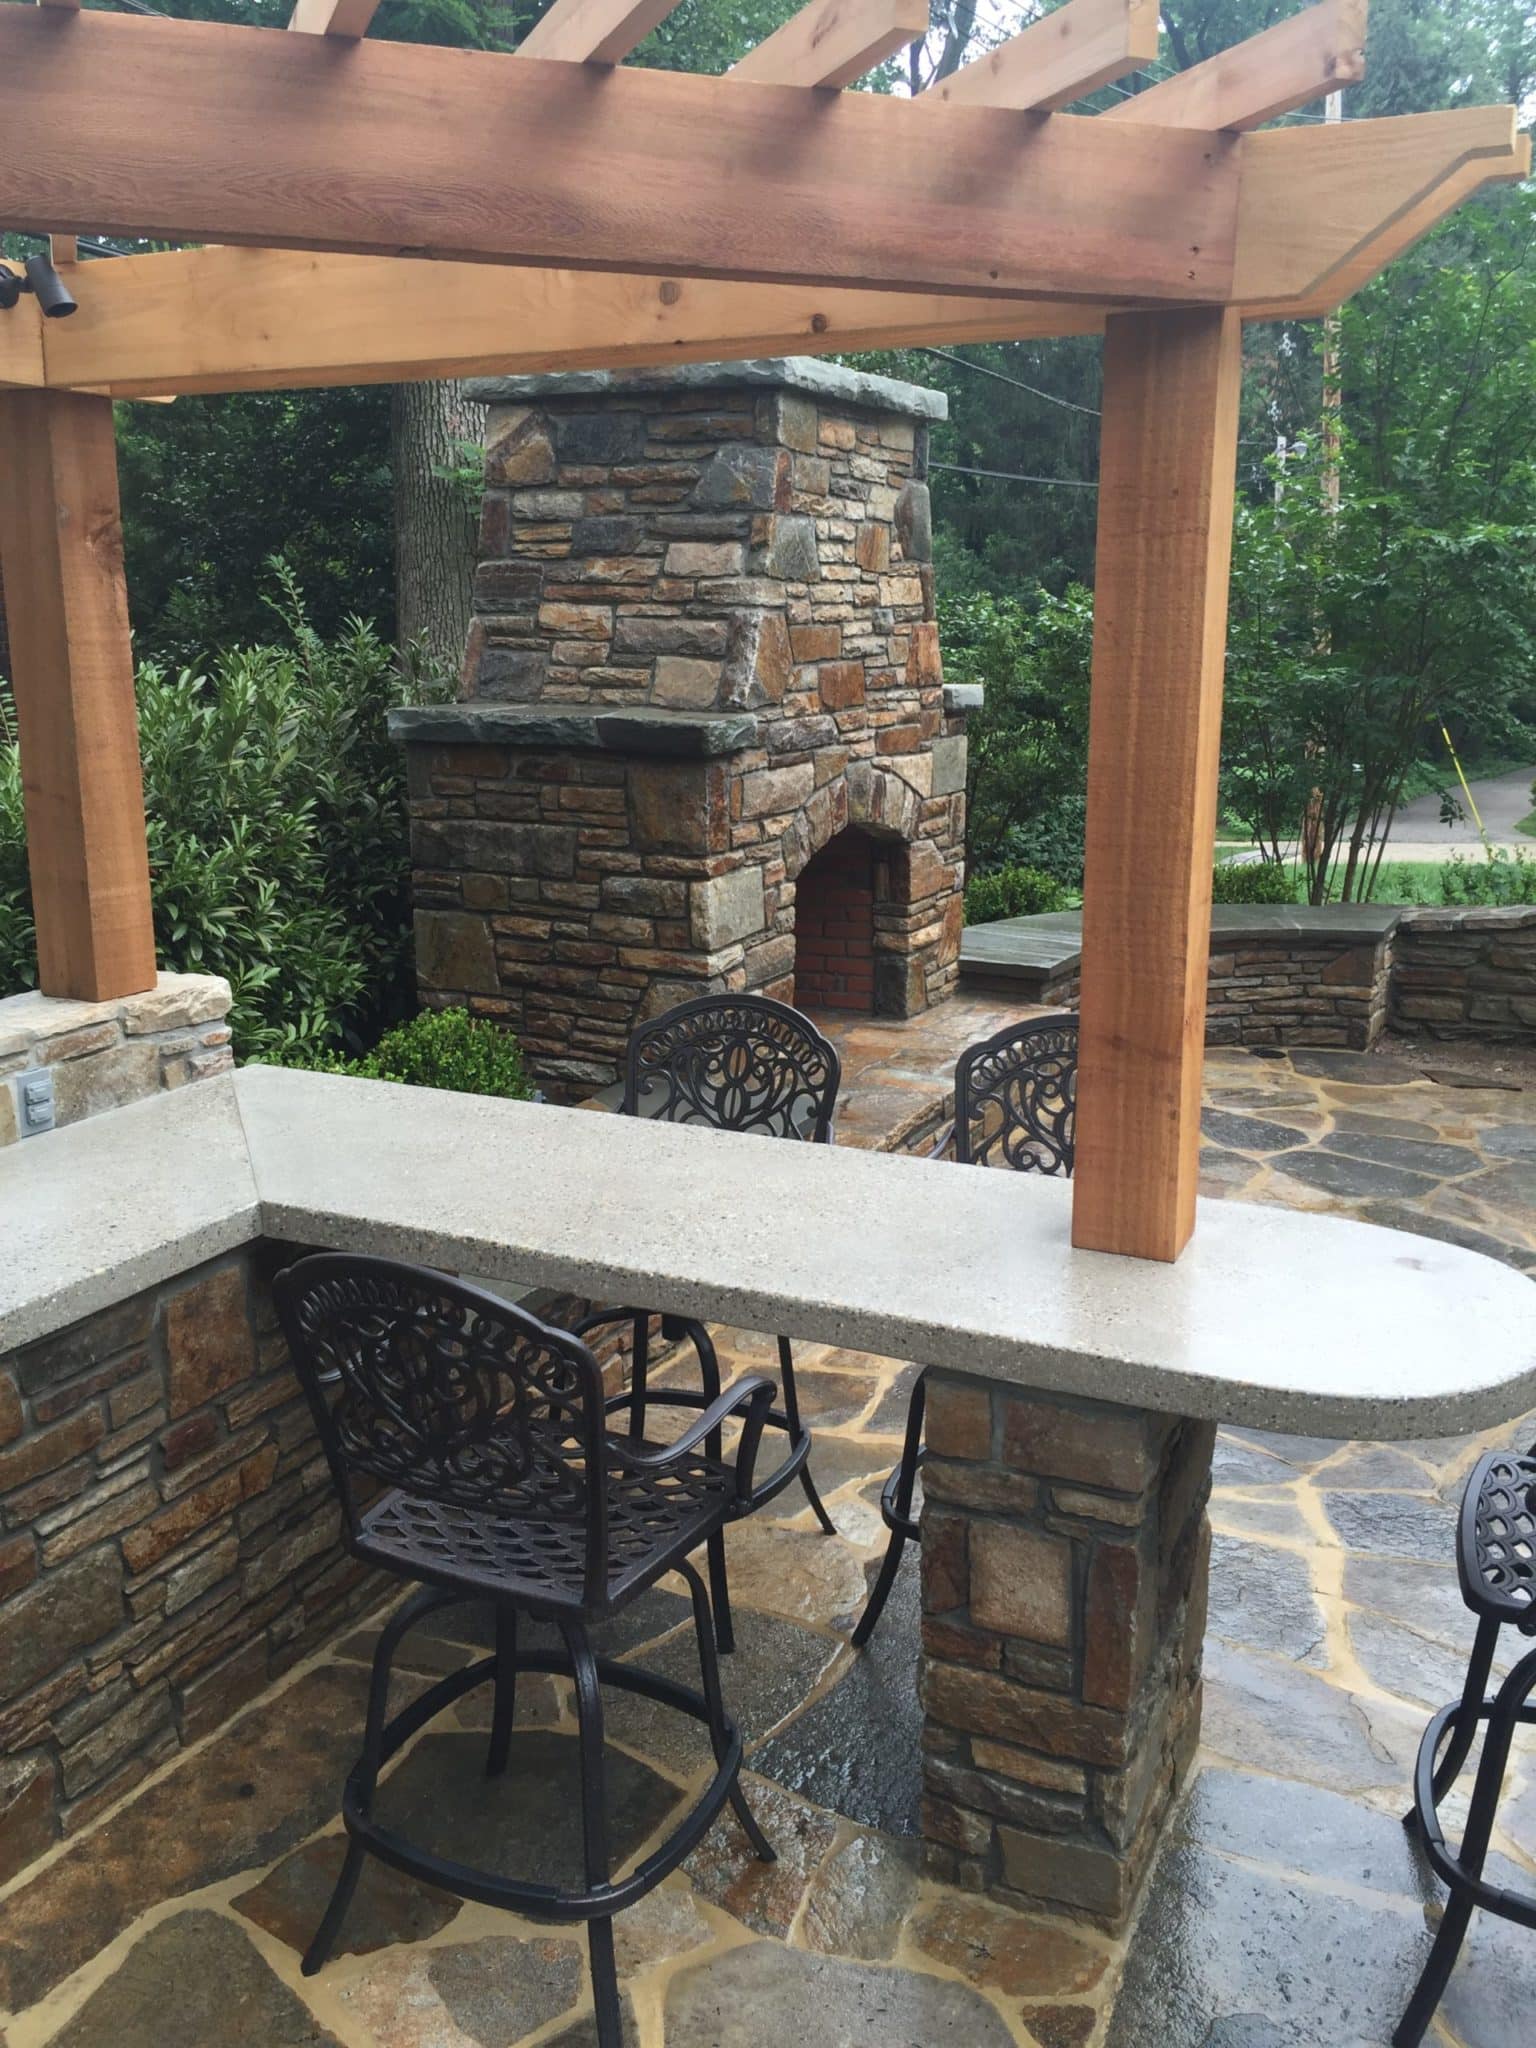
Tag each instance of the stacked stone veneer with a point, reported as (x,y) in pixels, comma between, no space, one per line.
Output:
(1338,975)
(105,1054)
(703,647)
(168,1541)
(1465,973)
(1065,1563)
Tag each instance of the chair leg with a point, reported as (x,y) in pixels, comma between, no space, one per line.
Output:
(906,1483)
(594,1830)
(1464,1734)
(709,1669)
(720,1595)
(874,1607)
(505,1709)
(390,1638)
(1503,1719)
(640,1359)
(797,1432)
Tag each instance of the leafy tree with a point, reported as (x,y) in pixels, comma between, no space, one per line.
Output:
(1358,632)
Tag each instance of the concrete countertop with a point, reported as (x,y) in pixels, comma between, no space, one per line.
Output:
(1273,1318)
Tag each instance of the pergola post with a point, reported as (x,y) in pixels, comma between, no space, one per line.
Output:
(61,554)
(1166,488)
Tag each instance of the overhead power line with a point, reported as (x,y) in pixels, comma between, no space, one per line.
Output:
(983,370)
(1013,476)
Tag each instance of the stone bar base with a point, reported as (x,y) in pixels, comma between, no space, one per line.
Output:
(1065,1556)
(169,1540)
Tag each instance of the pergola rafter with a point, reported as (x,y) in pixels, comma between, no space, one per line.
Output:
(418,212)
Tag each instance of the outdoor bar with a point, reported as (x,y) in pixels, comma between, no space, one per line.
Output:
(1082,1343)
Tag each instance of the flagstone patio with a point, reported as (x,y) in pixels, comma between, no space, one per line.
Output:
(1288,1909)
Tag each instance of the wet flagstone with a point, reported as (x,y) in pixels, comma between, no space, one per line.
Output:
(861,1897)
(1287,1911)
(194,1981)
(388,1907)
(1000,1950)
(763,1896)
(474,1994)
(826,1754)
(773,1670)
(1221,1940)
(271,1780)
(764,1993)
(1263,1597)
(526,1824)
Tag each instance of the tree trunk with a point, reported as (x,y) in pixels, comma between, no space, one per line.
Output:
(432,428)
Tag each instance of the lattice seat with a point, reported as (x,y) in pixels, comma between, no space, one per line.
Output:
(654,1518)
(1497,1547)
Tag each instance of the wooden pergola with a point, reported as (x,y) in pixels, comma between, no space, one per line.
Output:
(377,211)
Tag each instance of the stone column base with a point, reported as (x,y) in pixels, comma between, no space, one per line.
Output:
(1065,1557)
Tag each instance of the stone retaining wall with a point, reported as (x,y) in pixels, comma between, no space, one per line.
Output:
(102,1055)
(169,1541)
(1465,973)
(1338,975)
(1312,992)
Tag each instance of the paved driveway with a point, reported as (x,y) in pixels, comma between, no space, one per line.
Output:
(1502,801)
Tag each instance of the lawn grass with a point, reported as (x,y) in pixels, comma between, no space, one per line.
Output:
(1527,825)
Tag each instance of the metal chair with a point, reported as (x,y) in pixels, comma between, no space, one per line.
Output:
(469,1446)
(736,1063)
(1015,1106)
(1496,1560)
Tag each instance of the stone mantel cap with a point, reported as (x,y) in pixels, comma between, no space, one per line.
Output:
(1274,1318)
(549,726)
(779,373)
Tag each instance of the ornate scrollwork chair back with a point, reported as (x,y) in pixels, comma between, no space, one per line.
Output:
(449,1394)
(1016,1097)
(736,1063)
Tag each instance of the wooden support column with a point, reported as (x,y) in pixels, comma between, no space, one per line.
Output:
(61,553)
(1166,487)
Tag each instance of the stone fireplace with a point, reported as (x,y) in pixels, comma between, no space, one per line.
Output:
(703,740)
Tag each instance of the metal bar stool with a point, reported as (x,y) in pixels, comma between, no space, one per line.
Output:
(1496,1562)
(736,1063)
(1015,1106)
(468,1443)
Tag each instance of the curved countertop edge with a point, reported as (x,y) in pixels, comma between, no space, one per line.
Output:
(1333,1327)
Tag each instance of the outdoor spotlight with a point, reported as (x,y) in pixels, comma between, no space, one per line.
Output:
(53,294)
(11,288)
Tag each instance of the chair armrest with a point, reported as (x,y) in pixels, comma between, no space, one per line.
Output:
(751,1397)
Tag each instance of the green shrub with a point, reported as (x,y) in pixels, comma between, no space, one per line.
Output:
(1011,892)
(277,835)
(1500,878)
(1260,881)
(1052,841)
(437,1049)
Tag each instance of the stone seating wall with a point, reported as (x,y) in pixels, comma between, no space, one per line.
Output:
(1335,976)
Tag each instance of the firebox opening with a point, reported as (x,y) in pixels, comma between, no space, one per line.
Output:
(835,901)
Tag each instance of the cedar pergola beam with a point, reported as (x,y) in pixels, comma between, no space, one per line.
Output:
(226,319)
(345,18)
(594,31)
(1063,57)
(1290,65)
(1315,224)
(833,42)
(1346,199)
(299,141)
